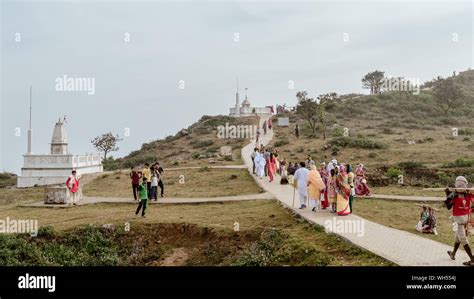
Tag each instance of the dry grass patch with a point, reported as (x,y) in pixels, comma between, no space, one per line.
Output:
(203,182)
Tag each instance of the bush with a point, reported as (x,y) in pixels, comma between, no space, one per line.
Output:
(393,172)
(201,143)
(460,162)
(337,132)
(281,142)
(356,142)
(7,180)
(411,165)
(467,131)
(262,252)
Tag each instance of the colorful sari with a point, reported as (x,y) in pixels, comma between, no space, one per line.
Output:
(361,187)
(343,194)
(325,177)
(315,184)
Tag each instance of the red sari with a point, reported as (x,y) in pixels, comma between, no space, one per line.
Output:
(325,177)
(361,187)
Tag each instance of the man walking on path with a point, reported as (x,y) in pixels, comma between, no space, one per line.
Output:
(143,190)
(253,155)
(135,176)
(460,202)
(301,180)
(161,173)
(72,185)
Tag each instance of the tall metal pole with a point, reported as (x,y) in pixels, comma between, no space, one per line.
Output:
(30,128)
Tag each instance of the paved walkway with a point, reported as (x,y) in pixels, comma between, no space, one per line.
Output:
(87,200)
(400,247)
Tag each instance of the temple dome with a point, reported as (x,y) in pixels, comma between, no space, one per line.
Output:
(246,103)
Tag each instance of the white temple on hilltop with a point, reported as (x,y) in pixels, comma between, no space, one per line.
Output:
(55,167)
(246,109)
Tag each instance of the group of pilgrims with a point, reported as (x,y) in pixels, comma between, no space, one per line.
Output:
(333,185)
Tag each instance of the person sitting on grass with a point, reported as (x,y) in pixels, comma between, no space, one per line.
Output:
(143,190)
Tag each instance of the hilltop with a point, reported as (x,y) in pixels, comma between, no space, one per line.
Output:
(196,145)
(391,133)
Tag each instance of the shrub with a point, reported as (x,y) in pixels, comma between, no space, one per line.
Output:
(393,172)
(388,131)
(201,143)
(411,165)
(7,180)
(467,131)
(262,252)
(460,162)
(338,132)
(356,142)
(281,142)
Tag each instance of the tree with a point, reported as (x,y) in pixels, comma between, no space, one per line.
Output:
(447,94)
(106,143)
(373,81)
(308,109)
(324,100)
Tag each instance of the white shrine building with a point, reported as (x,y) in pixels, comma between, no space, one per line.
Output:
(246,109)
(55,167)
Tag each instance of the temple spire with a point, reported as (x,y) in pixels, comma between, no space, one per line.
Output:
(237,101)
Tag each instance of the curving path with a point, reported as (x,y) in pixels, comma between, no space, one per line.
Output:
(403,248)
(88,200)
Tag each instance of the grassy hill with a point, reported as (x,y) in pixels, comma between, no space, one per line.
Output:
(391,133)
(197,145)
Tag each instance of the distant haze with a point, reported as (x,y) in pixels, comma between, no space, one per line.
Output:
(137,54)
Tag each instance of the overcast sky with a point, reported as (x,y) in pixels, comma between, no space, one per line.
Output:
(320,46)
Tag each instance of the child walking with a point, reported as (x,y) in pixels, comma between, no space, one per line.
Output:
(143,190)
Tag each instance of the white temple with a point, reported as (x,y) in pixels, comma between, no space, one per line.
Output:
(55,167)
(246,109)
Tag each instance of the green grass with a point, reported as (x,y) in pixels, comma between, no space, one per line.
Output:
(205,232)
(404,215)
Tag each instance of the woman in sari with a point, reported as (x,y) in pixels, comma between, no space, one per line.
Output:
(332,190)
(343,192)
(315,187)
(325,177)
(361,187)
(271,166)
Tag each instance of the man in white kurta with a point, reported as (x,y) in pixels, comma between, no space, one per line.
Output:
(301,179)
(260,165)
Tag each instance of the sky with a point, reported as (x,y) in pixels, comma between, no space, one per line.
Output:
(158,66)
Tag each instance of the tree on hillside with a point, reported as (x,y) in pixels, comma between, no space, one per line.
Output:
(308,109)
(322,117)
(373,81)
(325,100)
(106,143)
(448,95)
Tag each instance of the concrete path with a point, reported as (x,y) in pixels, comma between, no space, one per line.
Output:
(87,200)
(400,247)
